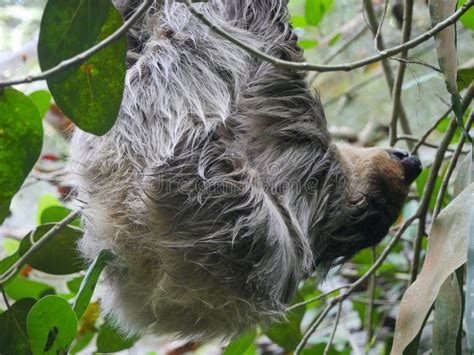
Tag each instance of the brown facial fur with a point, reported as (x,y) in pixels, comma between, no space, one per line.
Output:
(378,185)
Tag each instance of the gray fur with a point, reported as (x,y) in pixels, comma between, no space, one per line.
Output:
(218,188)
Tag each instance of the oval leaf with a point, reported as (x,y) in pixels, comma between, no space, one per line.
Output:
(51,325)
(21,287)
(59,256)
(42,101)
(13,339)
(21,138)
(89,93)
(56,214)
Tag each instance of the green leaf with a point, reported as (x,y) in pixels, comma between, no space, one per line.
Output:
(316,9)
(110,339)
(13,334)
(56,214)
(82,340)
(21,137)
(6,263)
(421,182)
(465,77)
(10,246)
(51,325)
(21,287)
(240,344)
(307,44)
(90,281)
(89,93)
(287,333)
(59,256)
(45,201)
(468,18)
(75,284)
(298,21)
(334,39)
(42,101)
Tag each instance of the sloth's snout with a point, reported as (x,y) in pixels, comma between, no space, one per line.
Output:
(411,164)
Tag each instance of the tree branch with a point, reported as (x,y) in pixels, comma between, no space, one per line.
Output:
(338,67)
(397,108)
(430,184)
(380,45)
(12,270)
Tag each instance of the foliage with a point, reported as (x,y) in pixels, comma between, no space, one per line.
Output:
(41,315)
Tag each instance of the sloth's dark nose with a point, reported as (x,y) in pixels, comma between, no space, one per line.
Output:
(411,164)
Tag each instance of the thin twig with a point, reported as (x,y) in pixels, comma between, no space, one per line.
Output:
(430,184)
(314,299)
(381,258)
(370,305)
(451,167)
(372,20)
(352,287)
(379,28)
(338,67)
(397,85)
(5,297)
(12,270)
(314,325)
(407,137)
(334,329)
(466,100)
(65,64)
(343,46)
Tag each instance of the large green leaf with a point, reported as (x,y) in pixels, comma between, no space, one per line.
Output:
(287,333)
(468,18)
(315,10)
(51,326)
(13,334)
(22,287)
(89,93)
(42,101)
(110,339)
(58,256)
(56,214)
(21,136)
(240,344)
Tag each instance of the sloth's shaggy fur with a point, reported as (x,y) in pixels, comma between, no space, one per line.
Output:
(218,188)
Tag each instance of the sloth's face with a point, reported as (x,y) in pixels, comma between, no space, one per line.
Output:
(379,183)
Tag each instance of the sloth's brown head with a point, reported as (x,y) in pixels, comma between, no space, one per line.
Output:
(378,183)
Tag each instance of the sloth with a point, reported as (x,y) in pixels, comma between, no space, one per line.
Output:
(219,189)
